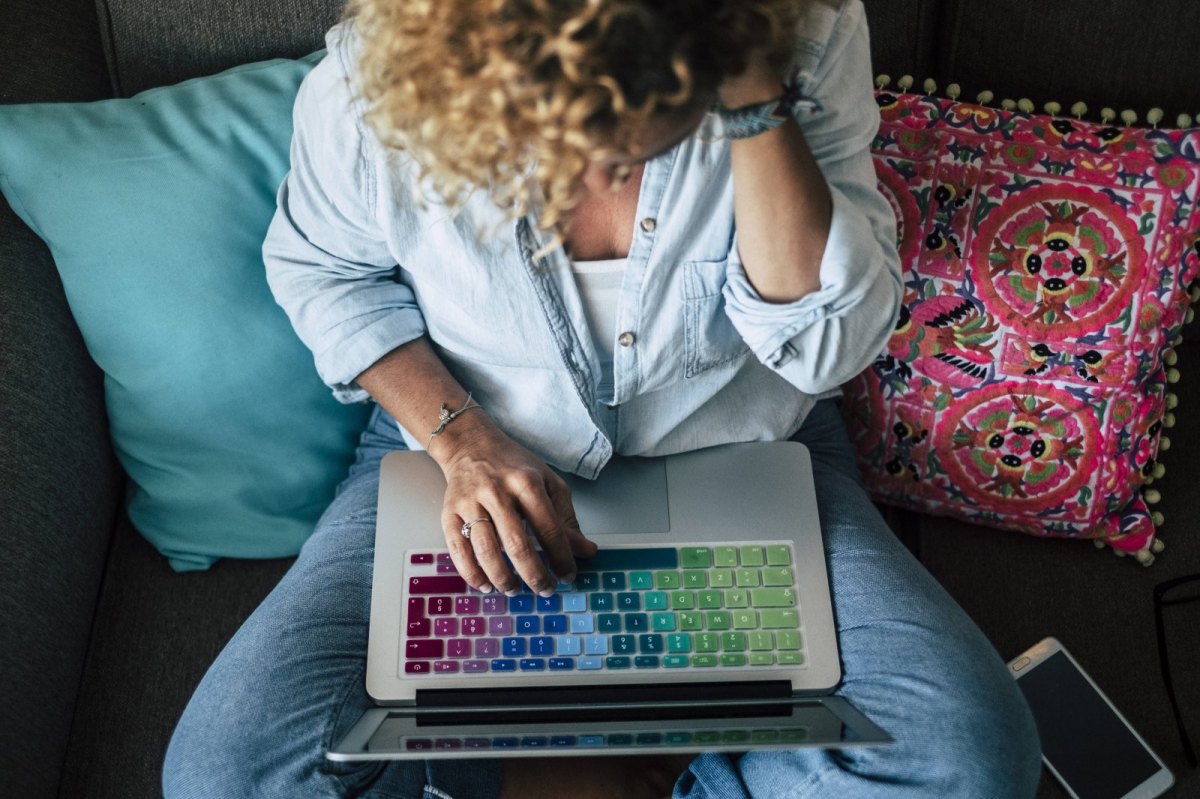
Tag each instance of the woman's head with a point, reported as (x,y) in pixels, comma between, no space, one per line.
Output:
(517,96)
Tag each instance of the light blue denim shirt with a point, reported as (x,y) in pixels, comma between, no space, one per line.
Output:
(701,359)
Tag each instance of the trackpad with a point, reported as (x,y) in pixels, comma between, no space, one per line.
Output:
(629,496)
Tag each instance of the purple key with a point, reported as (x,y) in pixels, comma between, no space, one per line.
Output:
(443,666)
(433,648)
(420,557)
(445,627)
(466,605)
(473,625)
(444,557)
(446,568)
(442,584)
(418,628)
(440,605)
(458,648)
(474,665)
(416,667)
(500,625)
(494,603)
(486,647)
(416,608)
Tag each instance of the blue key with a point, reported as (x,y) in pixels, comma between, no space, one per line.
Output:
(521,603)
(568,645)
(615,662)
(562,740)
(527,625)
(574,603)
(534,741)
(595,645)
(600,602)
(624,644)
(591,740)
(650,644)
(636,623)
(613,581)
(589,663)
(542,645)
(620,739)
(587,581)
(630,559)
(581,622)
(505,743)
(562,664)
(629,601)
(649,738)
(513,647)
(646,661)
(504,664)
(532,664)
(548,604)
(609,623)
(554,624)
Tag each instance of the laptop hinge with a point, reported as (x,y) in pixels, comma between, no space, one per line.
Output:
(591,695)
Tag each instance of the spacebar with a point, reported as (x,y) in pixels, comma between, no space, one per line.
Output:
(625,559)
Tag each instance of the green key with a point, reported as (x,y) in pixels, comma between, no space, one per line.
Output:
(745,620)
(718,620)
(746,578)
(760,640)
(779,555)
(695,557)
(764,736)
(795,736)
(733,642)
(707,736)
(762,659)
(683,600)
(662,622)
(721,578)
(664,580)
(640,581)
(752,556)
(696,579)
(680,642)
(709,599)
(735,736)
(691,621)
(786,639)
(704,660)
(772,597)
(678,737)
(777,575)
(737,598)
(706,642)
(779,619)
(654,600)
(790,658)
(725,556)
(675,661)
(733,660)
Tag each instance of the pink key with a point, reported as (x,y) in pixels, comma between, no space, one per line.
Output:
(440,606)
(445,627)
(418,628)
(446,568)
(416,608)
(417,558)
(496,603)
(432,648)
(466,605)
(486,647)
(475,665)
(500,625)
(442,584)
(416,667)
(442,666)
(444,557)
(458,648)
(472,625)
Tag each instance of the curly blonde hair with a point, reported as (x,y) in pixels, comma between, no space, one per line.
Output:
(515,97)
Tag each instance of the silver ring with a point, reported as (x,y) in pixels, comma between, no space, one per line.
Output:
(466,528)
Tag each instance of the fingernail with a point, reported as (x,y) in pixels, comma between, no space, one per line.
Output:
(548,592)
(513,592)
(568,578)
(486,588)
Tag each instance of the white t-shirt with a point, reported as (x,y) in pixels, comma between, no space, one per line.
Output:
(600,288)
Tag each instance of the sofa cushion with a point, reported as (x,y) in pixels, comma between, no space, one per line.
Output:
(155,209)
(164,42)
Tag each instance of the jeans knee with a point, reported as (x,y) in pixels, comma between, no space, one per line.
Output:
(998,754)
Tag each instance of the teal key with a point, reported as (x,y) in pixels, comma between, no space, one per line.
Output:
(641,581)
(764,736)
(663,622)
(654,600)
(695,557)
(617,662)
(675,661)
(735,736)
(679,642)
(678,737)
(707,736)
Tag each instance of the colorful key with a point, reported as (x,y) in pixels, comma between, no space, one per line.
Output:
(762,659)
(612,581)
(458,648)
(666,580)
(733,642)
(679,642)
(533,664)
(787,639)
(569,645)
(773,598)
(500,625)
(608,623)
(709,600)
(473,625)
(720,578)
(695,557)
(541,646)
(725,556)
(683,600)
(600,602)
(587,581)
(629,601)
(636,622)
(444,666)
(776,575)
(420,557)
(691,621)
(641,581)
(432,648)
(704,661)
(445,627)
(779,555)
(650,643)
(443,558)
(695,579)
(417,667)
(554,624)
(675,661)
(616,662)
(512,647)
(466,605)
(779,619)
(624,644)
(416,608)
(745,620)
(474,666)
(654,600)
(521,603)
(717,620)
(504,664)
(420,628)
(487,647)
(561,664)
(789,658)
(595,645)
(548,604)
(574,603)
(737,598)
(706,642)
(662,622)
(581,622)
(442,584)
(527,625)
(759,640)
(589,663)
(752,555)
(446,568)
(440,606)
(495,603)
(646,662)
(745,578)
(733,659)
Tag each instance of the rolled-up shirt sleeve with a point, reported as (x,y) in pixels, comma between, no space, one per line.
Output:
(826,337)
(327,259)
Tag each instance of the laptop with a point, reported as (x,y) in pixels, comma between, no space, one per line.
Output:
(704,622)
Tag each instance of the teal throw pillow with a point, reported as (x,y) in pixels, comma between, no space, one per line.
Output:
(155,208)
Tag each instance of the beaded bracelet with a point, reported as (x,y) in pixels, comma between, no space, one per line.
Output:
(751,120)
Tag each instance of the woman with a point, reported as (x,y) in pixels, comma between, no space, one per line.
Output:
(525,213)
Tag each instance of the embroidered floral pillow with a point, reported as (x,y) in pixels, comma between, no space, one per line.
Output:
(1047,268)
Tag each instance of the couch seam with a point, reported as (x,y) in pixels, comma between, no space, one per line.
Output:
(108,41)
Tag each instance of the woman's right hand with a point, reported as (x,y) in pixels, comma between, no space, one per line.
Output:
(490,476)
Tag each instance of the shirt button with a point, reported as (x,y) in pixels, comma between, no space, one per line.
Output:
(648,224)
(626,339)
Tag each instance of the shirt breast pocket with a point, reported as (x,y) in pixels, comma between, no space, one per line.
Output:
(711,339)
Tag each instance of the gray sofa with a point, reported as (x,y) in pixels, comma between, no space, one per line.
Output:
(102,644)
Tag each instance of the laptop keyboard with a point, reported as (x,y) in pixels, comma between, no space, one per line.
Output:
(693,607)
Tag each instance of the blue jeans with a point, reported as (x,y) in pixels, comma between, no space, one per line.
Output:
(291,681)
